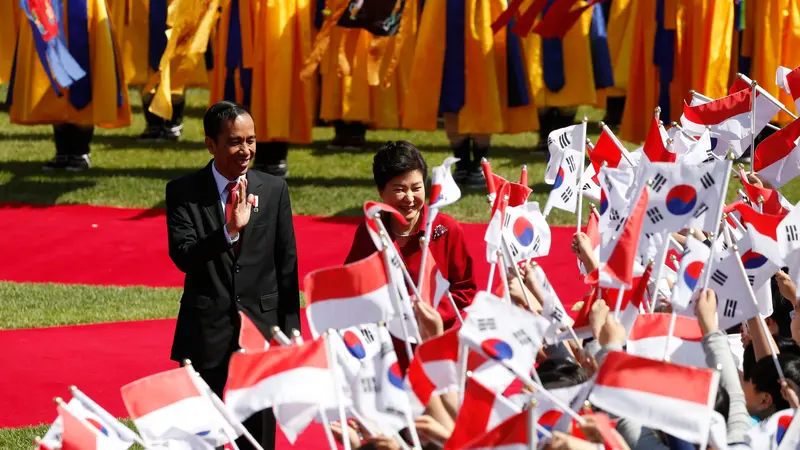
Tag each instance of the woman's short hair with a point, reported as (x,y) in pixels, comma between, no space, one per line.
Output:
(219,113)
(394,159)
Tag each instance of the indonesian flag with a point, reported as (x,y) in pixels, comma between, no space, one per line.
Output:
(435,286)
(526,232)
(250,337)
(625,386)
(789,81)
(729,117)
(108,426)
(490,373)
(649,338)
(481,411)
(777,158)
(552,307)
(558,142)
(617,256)
(758,258)
(434,369)
(278,376)
(503,332)
(444,190)
(683,196)
(512,434)
(564,194)
(170,404)
(518,193)
(763,232)
(494,230)
(691,267)
(373,208)
(79,434)
(655,147)
(772,202)
(349,295)
(593,232)
(605,151)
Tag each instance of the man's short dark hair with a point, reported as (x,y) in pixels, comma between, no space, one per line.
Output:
(394,159)
(765,376)
(218,114)
(560,373)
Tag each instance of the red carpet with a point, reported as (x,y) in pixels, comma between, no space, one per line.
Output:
(113,246)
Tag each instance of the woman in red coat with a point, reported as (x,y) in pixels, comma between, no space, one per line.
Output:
(400,173)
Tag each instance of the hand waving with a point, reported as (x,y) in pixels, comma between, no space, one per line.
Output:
(241,204)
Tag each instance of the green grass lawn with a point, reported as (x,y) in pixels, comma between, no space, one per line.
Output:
(22,438)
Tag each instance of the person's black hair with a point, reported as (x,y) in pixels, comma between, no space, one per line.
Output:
(781,309)
(722,403)
(218,114)
(394,159)
(784,344)
(560,372)
(764,377)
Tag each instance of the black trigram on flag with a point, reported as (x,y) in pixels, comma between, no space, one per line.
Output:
(791,233)
(564,140)
(730,308)
(613,214)
(709,156)
(700,210)
(587,187)
(556,315)
(567,194)
(719,277)
(537,243)
(367,335)
(570,163)
(522,337)
(658,182)
(514,250)
(707,180)
(654,215)
(751,279)
(486,324)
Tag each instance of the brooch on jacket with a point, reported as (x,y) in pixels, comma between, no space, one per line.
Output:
(438,232)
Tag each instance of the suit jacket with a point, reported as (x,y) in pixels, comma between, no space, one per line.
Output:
(260,279)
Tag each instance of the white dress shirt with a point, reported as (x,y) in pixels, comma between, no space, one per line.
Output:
(222,184)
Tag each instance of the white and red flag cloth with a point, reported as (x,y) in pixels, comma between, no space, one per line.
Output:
(512,434)
(558,142)
(564,194)
(435,286)
(526,232)
(624,386)
(781,431)
(80,434)
(694,152)
(789,81)
(392,398)
(503,332)
(349,295)
(250,337)
(777,158)
(729,117)
(649,338)
(518,193)
(591,184)
(655,146)
(762,230)
(593,232)
(481,411)
(281,375)
(494,231)
(683,196)
(693,261)
(109,426)
(614,199)
(772,202)
(444,190)
(618,254)
(170,404)
(370,210)
(606,151)
(434,369)
(758,258)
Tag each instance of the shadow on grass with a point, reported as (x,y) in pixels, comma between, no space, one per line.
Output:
(111,141)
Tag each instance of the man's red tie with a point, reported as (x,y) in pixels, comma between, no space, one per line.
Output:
(231,188)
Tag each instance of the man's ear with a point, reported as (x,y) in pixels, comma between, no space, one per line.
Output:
(764,401)
(210,145)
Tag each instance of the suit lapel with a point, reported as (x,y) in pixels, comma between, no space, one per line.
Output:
(254,186)
(213,205)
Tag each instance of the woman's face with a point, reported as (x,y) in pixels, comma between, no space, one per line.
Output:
(406,193)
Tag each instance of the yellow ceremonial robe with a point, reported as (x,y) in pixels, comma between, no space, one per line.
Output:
(9,9)
(133,36)
(35,102)
(620,43)
(354,84)
(485,109)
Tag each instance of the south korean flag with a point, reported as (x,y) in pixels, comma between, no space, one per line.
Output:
(558,142)
(591,184)
(565,188)
(614,198)
(693,260)
(734,304)
(526,232)
(684,196)
(552,308)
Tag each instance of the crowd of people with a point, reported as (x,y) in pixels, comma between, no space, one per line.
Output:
(356,66)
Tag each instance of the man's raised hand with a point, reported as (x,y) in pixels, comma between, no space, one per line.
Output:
(241,204)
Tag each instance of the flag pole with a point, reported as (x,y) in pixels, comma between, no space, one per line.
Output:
(767,95)
(280,337)
(761,323)
(504,275)
(384,234)
(713,255)
(424,242)
(455,308)
(753,92)
(338,390)
(523,176)
(223,410)
(393,294)
(580,174)
(533,434)
(661,260)
(618,305)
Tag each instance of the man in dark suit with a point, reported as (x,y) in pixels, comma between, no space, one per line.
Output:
(231,233)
